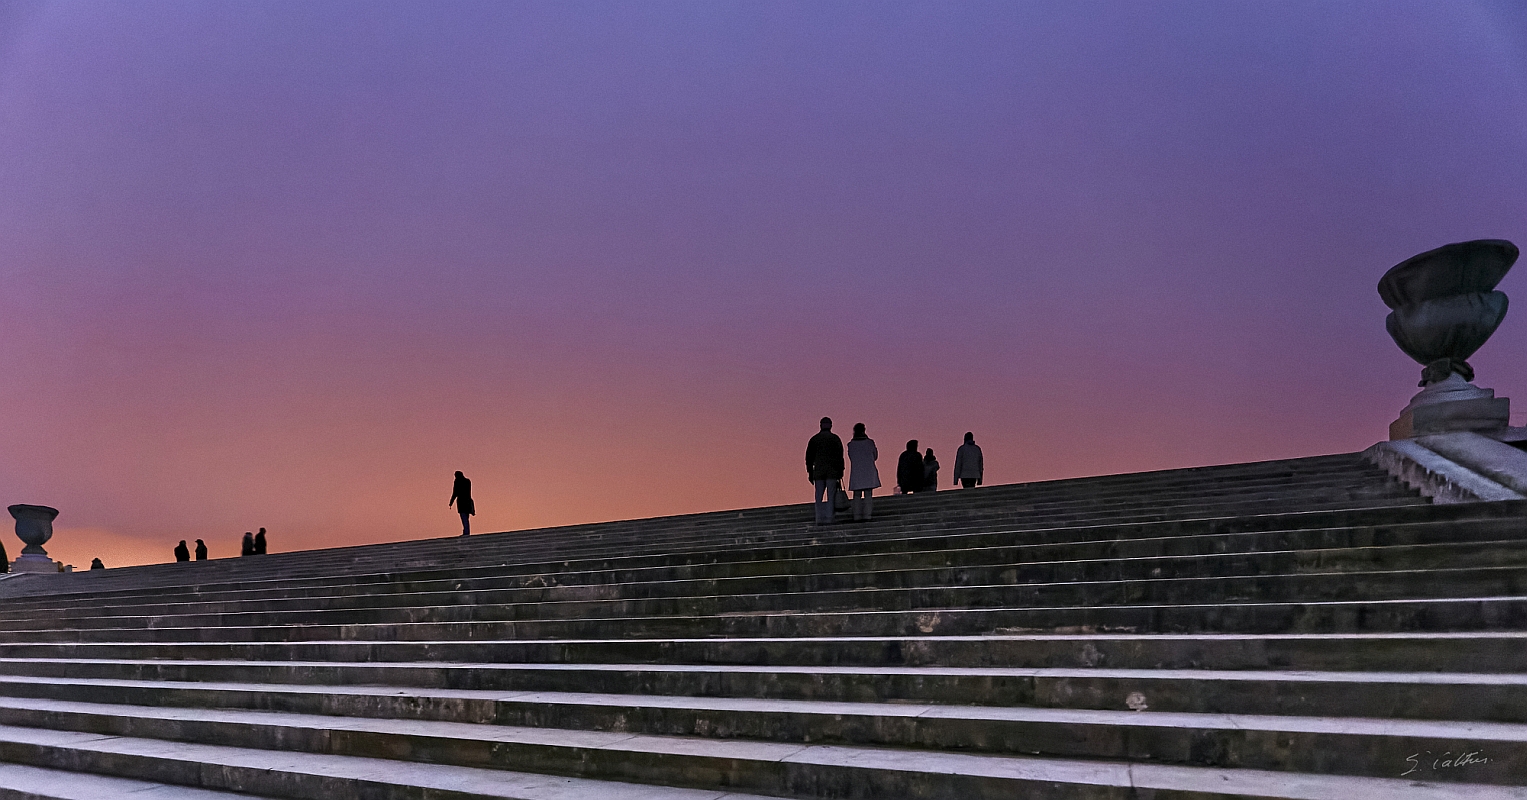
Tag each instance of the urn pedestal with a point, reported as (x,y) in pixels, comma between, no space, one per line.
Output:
(1450,405)
(34,527)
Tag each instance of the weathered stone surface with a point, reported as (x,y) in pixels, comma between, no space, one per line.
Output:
(1286,629)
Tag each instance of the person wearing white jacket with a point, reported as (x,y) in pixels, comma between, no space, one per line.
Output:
(863,476)
(968,467)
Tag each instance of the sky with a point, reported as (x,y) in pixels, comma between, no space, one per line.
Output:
(291,264)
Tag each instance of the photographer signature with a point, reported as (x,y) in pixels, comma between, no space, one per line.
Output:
(1445,761)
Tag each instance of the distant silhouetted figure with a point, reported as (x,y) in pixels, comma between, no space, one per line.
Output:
(5,561)
(461,495)
(968,467)
(181,553)
(864,477)
(824,468)
(247,548)
(201,550)
(95,563)
(930,472)
(259,543)
(909,469)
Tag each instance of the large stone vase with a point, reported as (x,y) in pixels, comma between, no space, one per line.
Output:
(34,527)
(1444,307)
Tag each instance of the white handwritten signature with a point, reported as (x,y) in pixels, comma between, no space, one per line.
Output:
(1445,761)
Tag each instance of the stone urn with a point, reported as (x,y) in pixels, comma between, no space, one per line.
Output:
(34,527)
(1444,307)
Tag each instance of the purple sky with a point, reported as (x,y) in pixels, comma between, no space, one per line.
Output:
(290,264)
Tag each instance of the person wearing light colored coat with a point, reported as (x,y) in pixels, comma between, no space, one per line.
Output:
(863,476)
(968,466)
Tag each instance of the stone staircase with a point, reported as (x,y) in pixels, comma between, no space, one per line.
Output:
(1306,628)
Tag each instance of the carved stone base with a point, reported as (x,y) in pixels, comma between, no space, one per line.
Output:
(1450,406)
(34,563)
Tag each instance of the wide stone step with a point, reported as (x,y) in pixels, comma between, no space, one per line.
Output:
(20,782)
(305,687)
(308,776)
(1493,751)
(1496,652)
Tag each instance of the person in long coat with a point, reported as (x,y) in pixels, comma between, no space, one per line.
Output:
(181,553)
(864,476)
(259,542)
(461,495)
(968,465)
(824,468)
(201,550)
(909,469)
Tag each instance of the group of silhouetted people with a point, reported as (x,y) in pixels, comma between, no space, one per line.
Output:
(915,472)
(253,545)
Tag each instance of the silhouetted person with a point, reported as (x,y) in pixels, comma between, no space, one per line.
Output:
(909,469)
(259,543)
(247,548)
(5,561)
(181,553)
(864,477)
(968,467)
(930,472)
(95,564)
(201,550)
(461,495)
(824,468)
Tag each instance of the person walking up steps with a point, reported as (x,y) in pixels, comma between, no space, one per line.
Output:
(259,543)
(824,468)
(930,472)
(181,553)
(864,478)
(461,495)
(201,550)
(968,467)
(247,548)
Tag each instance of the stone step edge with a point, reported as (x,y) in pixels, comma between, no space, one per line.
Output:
(21,782)
(873,771)
(1500,733)
(1360,677)
(310,776)
(1459,651)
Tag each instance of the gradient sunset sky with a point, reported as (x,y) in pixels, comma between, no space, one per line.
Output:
(290,264)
